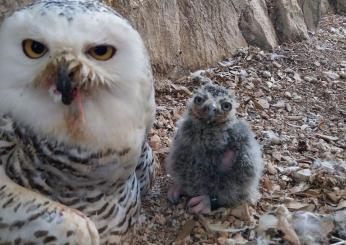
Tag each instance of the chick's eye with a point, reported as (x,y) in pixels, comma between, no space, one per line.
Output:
(102,52)
(34,49)
(198,100)
(226,106)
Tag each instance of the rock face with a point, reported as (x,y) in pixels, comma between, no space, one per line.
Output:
(289,21)
(256,25)
(312,13)
(183,35)
(326,7)
(208,31)
(159,26)
(341,6)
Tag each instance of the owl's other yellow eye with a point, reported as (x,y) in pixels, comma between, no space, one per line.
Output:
(34,49)
(102,52)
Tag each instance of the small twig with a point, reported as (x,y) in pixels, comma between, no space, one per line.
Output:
(304,161)
(340,241)
(337,238)
(292,125)
(271,198)
(294,118)
(326,137)
(218,228)
(340,145)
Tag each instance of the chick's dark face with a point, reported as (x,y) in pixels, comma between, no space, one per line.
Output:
(211,106)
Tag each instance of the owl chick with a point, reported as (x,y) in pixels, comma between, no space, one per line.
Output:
(214,159)
(76,101)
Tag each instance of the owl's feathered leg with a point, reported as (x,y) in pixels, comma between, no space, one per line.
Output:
(28,217)
(145,170)
(174,193)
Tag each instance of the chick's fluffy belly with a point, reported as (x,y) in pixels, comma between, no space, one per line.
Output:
(206,160)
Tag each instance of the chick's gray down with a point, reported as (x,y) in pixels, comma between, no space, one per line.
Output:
(215,159)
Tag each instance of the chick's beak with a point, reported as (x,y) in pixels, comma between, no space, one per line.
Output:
(64,84)
(211,111)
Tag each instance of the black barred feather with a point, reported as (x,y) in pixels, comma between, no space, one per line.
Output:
(73,177)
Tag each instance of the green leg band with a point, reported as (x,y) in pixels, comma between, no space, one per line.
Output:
(214,202)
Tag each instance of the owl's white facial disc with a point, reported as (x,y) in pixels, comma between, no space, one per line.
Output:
(97,56)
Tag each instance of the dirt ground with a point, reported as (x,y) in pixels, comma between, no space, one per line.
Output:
(295,100)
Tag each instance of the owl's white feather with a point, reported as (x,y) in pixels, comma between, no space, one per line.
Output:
(114,117)
(88,154)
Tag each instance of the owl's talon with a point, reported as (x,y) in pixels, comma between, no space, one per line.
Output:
(199,204)
(174,193)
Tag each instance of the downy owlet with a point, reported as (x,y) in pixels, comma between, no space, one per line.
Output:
(214,159)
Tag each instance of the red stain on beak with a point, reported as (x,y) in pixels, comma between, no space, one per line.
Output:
(77,116)
(77,95)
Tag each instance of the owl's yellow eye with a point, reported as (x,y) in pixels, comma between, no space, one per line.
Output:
(102,52)
(34,49)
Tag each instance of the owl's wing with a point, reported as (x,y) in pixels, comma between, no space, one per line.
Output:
(240,139)
(29,217)
(241,132)
(146,169)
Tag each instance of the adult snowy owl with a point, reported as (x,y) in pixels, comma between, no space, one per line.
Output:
(77,100)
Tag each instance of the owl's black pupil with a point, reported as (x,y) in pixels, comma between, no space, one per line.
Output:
(227,106)
(100,50)
(198,100)
(37,47)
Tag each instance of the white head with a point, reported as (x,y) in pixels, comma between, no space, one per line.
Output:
(77,72)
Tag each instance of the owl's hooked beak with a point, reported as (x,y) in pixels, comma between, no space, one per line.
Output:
(69,88)
(64,84)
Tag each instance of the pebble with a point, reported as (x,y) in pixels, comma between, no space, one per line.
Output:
(297,77)
(266,74)
(332,30)
(302,175)
(262,103)
(276,64)
(288,94)
(288,107)
(279,104)
(296,97)
(330,75)
(342,74)
(310,79)
(289,70)
(318,64)
(324,62)
(324,83)
(243,73)
(272,137)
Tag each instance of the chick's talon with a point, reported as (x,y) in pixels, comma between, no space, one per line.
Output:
(174,193)
(199,205)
